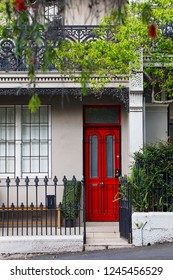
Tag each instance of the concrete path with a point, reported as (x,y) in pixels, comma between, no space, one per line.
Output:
(155,252)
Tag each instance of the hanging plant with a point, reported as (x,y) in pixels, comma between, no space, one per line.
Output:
(152,30)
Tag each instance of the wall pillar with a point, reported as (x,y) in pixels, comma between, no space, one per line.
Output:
(135,122)
(136,109)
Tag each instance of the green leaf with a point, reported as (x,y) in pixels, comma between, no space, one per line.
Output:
(34,103)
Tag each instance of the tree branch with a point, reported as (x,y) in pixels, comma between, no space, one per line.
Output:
(153,100)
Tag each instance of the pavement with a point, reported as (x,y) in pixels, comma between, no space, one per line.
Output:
(154,252)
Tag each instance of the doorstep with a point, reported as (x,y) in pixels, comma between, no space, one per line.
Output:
(104,235)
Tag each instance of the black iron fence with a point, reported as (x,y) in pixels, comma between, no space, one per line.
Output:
(149,189)
(125,225)
(41,207)
(152,189)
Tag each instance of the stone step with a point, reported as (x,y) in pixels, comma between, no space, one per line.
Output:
(102,235)
(102,224)
(102,227)
(103,246)
(113,241)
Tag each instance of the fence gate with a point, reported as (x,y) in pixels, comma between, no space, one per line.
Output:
(125,224)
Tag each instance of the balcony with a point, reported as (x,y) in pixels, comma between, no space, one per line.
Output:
(10,62)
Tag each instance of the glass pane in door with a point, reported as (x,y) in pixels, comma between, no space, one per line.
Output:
(93,156)
(110,156)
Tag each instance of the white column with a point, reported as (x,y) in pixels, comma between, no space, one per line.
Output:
(135,122)
(136,107)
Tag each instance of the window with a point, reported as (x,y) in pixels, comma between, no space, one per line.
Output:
(102,115)
(25,143)
(7,140)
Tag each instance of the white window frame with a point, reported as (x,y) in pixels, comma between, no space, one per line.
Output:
(18,146)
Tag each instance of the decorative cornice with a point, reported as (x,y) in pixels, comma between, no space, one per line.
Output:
(53,77)
(122,95)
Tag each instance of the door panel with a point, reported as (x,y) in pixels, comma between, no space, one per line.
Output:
(102,158)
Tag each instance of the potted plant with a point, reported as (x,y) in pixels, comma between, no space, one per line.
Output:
(70,206)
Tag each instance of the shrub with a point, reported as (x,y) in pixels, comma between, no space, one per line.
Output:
(71,200)
(152,178)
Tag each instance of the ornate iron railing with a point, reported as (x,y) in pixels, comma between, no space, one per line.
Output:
(82,33)
(35,207)
(10,62)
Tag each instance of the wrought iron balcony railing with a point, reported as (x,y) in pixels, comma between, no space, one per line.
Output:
(10,62)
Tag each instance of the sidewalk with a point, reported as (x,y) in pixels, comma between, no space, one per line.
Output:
(154,252)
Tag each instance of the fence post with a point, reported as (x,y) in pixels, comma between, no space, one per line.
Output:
(65,204)
(45,184)
(55,180)
(27,184)
(130,211)
(8,195)
(57,212)
(36,194)
(17,189)
(8,188)
(74,184)
(84,208)
(12,213)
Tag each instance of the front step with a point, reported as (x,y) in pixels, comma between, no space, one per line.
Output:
(96,247)
(100,236)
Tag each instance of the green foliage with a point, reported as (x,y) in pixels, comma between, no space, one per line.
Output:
(71,200)
(102,58)
(151,177)
(34,103)
(120,55)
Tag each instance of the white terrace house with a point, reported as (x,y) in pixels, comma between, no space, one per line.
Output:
(71,134)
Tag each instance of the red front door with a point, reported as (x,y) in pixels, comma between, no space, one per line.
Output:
(102,161)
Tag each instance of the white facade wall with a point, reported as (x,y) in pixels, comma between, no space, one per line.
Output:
(79,12)
(67,135)
(67,138)
(152,227)
(156,124)
(67,141)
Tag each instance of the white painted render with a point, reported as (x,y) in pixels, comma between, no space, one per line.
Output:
(67,140)
(40,244)
(135,122)
(67,134)
(79,12)
(152,227)
(156,124)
